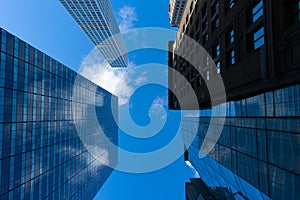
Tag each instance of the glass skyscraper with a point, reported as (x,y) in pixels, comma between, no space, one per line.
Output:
(96,19)
(258,152)
(41,153)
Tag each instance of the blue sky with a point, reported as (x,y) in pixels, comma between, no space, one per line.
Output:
(47,26)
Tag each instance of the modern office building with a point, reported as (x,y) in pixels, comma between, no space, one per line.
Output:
(176,9)
(41,153)
(96,19)
(257,154)
(254,44)
(255,47)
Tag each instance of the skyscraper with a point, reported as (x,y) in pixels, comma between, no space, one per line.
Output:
(96,19)
(254,45)
(176,9)
(249,49)
(41,153)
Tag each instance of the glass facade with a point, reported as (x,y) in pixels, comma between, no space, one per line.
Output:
(259,148)
(96,19)
(41,154)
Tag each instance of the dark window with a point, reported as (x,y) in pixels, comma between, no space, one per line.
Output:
(204,25)
(204,11)
(215,8)
(216,23)
(215,15)
(229,4)
(204,37)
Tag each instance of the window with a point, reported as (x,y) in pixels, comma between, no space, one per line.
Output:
(16,47)
(218,65)
(229,4)
(204,25)
(256,28)
(15,74)
(258,38)
(205,37)
(26,70)
(2,69)
(231,57)
(230,37)
(257,11)
(218,50)
(216,23)
(4,41)
(215,8)
(216,56)
(204,11)
(35,57)
(207,75)
(44,61)
(215,15)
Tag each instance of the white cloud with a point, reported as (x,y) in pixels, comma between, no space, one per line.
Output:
(157,109)
(140,80)
(160,100)
(127,18)
(118,81)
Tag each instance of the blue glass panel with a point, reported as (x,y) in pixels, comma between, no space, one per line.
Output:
(258,34)
(232,36)
(259,38)
(259,43)
(232,57)
(218,50)
(257,11)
